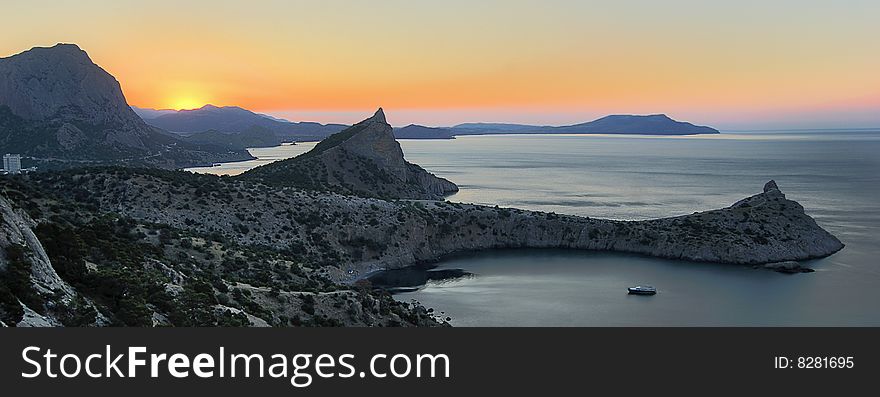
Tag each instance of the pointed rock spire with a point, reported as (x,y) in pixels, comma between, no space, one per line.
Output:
(770,186)
(379,116)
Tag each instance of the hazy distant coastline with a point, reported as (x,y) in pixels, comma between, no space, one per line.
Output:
(241,127)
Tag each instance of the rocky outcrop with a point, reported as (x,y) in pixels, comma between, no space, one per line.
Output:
(16,234)
(16,229)
(787,267)
(363,160)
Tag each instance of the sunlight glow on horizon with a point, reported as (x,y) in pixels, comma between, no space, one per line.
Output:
(184,103)
(551,62)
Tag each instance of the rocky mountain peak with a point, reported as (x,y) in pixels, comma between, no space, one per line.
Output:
(363,159)
(373,138)
(770,186)
(68,50)
(379,116)
(62,82)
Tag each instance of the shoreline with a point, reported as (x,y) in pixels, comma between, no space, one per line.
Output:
(429,266)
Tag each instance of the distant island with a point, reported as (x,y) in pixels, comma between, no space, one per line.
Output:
(656,124)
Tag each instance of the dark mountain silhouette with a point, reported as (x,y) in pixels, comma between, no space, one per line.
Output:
(252,137)
(495,127)
(146,113)
(414,131)
(362,160)
(58,107)
(657,124)
(233,119)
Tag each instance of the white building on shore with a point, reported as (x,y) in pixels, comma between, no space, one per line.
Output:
(12,163)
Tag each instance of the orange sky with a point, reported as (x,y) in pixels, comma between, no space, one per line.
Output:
(548,62)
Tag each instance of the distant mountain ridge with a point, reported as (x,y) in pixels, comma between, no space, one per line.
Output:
(253,137)
(146,113)
(59,107)
(655,124)
(234,119)
(495,126)
(414,131)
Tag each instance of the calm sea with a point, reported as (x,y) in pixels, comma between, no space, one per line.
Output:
(835,175)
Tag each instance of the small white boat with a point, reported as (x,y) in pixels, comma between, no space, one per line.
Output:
(642,290)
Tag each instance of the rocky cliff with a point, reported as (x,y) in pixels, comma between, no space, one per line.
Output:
(57,105)
(30,288)
(363,160)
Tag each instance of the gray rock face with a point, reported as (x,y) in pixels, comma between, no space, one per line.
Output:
(363,160)
(62,82)
(16,229)
(34,319)
(57,86)
(375,142)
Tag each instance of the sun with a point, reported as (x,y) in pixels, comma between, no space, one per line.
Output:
(186,102)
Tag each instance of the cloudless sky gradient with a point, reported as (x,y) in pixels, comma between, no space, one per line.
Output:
(730,64)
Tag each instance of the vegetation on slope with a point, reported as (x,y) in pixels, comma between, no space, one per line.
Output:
(141,274)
